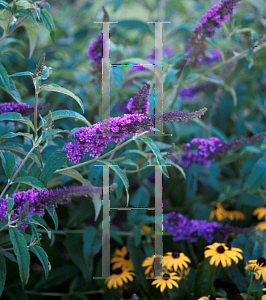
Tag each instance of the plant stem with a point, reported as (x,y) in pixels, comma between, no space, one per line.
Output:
(192,252)
(169,292)
(250,285)
(36,118)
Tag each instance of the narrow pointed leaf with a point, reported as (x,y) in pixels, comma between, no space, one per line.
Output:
(2,273)
(34,182)
(21,250)
(28,13)
(59,89)
(4,80)
(26,73)
(8,162)
(48,22)
(6,5)
(43,258)
(11,116)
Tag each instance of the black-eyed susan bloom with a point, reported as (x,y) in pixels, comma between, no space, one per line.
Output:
(219,212)
(234,215)
(220,253)
(183,273)
(119,277)
(261,226)
(260,212)
(260,265)
(166,280)
(121,259)
(146,229)
(149,262)
(211,298)
(175,260)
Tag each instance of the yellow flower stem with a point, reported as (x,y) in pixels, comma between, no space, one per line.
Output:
(169,293)
(250,285)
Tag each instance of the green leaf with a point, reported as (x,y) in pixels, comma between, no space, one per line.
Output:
(53,214)
(52,132)
(137,235)
(32,31)
(12,135)
(179,168)
(59,89)
(140,199)
(7,6)
(4,80)
(4,16)
(257,176)
(120,173)
(48,22)
(34,182)
(186,73)
(21,250)
(204,281)
(13,91)
(28,13)
(43,258)
(54,162)
(25,4)
(47,71)
(232,92)
(76,175)
(134,24)
(26,73)
(11,203)
(8,162)
(157,154)
(133,151)
(11,116)
(97,202)
(2,273)
(61,114)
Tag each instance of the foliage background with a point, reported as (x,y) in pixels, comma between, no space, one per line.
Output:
(70,277)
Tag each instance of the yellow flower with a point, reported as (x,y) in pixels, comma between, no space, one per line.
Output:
(261,226)
(261,262)
(252,267)
(220,253)
(168,279)
(219,212)
(211,298)
(149,263)
(260,212)
(121,259)
(116,280)
(175,260)
(264,296)
(234,214)
(146,229)
(183,273)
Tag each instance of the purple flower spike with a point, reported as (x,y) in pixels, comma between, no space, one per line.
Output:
(215,55)
(140,103)
(94,139)
(24,109)
(38,200)
(95,50)
(190,91)
(184,229)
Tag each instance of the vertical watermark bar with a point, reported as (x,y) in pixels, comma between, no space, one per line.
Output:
(105,228)
(106,79)
(158,241)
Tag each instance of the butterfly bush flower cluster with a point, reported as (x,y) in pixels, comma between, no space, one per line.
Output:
(215,55)
(95,139)
(38,200)
(184,229)
(192,90)
(214,18)
(210,149)
(22,108)
(95,50)
(140,103)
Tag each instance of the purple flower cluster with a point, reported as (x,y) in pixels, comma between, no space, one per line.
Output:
(95,139)
(184,229)
(95,51)
(38,200)
(215,55)
(190,91)
(214,18)
(22,108)
(210,149)
(140,102)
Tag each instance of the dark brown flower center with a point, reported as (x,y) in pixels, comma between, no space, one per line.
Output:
(220,249)
(261,262)
(166,276)
(212,297)
(118,271)
(175,255)
(127,256)
(127,294)
(229,246)
(238,297)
